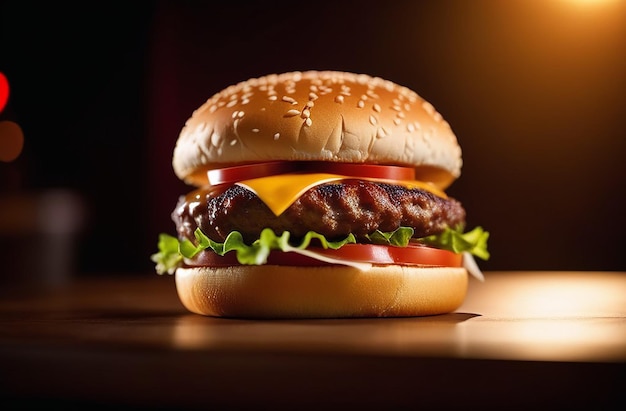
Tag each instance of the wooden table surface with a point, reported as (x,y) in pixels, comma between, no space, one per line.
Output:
(521,339)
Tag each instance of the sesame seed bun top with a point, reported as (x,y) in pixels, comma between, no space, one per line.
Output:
(321,116)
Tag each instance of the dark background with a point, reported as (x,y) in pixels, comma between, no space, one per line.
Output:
(534,90)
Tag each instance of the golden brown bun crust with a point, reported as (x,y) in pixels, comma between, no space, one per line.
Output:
(269,291)
(321,116)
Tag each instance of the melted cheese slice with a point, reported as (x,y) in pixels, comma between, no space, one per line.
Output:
(278,192)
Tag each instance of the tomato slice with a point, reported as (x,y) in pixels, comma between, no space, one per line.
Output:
(246,172)
(413,255)
(361,170)
(250,171)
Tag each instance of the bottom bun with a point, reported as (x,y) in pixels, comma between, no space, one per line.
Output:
(271,291)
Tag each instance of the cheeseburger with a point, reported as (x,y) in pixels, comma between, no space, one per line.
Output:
(319,194)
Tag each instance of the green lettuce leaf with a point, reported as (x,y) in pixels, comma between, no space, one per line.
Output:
(169,257)
(455,240)
(399,237)
(172,251)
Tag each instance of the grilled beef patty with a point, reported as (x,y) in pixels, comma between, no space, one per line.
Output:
(334,210)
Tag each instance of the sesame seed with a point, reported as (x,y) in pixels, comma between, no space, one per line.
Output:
(400,114)
(231,103)
(363,97)
(313,96)
(201,127)
(397,121)
(373,120)
(235,113)
(376,108)
(410,127)
(428,107)
(240,114)
(255,130)
(233,142)
(288,99)
(273,97)
(361,104)
(306,113)
(276,136)
(292,113)
(396,108)
(372,94)
(309,104)
(339,99)
(381,132)
(308,122)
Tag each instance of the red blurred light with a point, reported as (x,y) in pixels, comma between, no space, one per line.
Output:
(4,91)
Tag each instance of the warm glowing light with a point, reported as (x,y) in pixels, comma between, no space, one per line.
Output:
(11,141)
(590,2)
(569,316)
